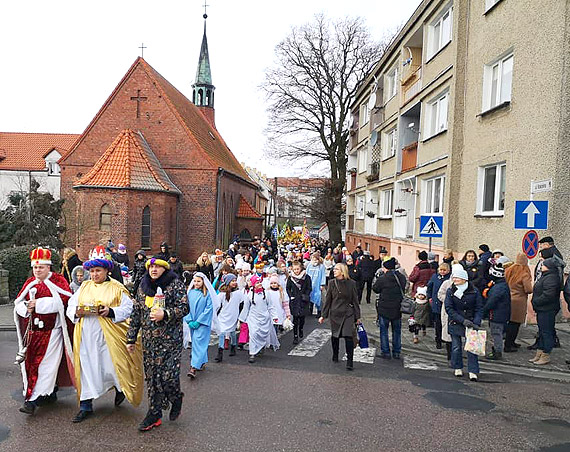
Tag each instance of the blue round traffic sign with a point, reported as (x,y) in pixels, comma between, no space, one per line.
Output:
(530,244)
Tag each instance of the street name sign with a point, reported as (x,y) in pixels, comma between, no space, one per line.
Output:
(540,186)
(531,214)
(431,226)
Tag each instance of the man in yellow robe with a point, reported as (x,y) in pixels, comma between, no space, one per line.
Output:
(100,309)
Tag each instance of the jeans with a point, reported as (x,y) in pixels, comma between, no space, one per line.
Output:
(457,356)
(396,335)
(233,339)
(545,322)
(497,330)
(368,284)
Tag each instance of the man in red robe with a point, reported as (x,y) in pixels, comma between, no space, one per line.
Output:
(43,335)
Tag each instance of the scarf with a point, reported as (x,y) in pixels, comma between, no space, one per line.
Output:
(461,290)
(298,280)
(149,285)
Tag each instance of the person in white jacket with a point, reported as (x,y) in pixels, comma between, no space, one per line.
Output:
(259,315)
(226,313)
(279,301)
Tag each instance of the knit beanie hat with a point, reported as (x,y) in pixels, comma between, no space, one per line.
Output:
(431,256)
(228,278)
(421,291)
(459,272)
(484,248)
(497,270)
(423,256)
(390,264)
(274,278)
(122,249)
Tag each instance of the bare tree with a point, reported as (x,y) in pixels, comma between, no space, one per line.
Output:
(310,90)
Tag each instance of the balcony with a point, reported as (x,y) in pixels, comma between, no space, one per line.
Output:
(412,85)
(409,157)
(373,172)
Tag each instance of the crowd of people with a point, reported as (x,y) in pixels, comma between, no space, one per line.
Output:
(101,323)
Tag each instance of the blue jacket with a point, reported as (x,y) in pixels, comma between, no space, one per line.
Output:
(433,286)
(470,307)
(498,304)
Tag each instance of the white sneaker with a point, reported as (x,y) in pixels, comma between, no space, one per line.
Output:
(458,373)
(472,376)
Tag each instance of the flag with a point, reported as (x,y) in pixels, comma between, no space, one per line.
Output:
(306,236)
(275,232)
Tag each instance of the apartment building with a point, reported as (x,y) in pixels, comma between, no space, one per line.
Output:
(467,106)
(293,195)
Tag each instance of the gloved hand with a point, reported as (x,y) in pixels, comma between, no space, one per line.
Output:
(468,323)
(193,325)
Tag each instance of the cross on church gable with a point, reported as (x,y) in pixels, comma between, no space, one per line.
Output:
(139,98)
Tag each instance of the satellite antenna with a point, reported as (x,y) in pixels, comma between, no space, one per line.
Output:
(375,86)
(373,138)
(372,101)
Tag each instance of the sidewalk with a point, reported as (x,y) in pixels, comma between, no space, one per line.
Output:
(519,360)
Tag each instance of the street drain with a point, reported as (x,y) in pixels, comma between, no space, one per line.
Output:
(4,432)
(460,401)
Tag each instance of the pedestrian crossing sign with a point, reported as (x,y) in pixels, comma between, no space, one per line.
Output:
(431,226)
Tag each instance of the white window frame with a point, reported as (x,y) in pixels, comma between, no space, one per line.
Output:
(490,99)
(490,3)
(359,205)
(437,110)
(501,169)
(387,197)
(437,39)
(429,198)
(390,143)
(53,168)
(362,159)
(391,78)
(364,114)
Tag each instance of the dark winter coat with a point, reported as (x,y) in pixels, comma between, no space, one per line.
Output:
(498,304)
(67,267)
(434,265)
(354,273)
(420,275)
(341,307)
(546,292)
(122,259)
(356,254)
(422,313)
(433,286)
(207,269)
(470,307)
(139,270)
(299,298)
(389,294)
(367,267)
(177,267)
(472,269)
(483,277)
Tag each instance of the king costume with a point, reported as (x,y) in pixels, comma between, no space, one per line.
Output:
(101,357)
(43,335)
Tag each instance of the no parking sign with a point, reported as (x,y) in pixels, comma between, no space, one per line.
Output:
(530,244)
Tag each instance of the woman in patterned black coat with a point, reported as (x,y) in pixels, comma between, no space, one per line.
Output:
(162,339)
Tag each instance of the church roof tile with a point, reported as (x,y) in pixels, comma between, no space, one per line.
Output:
(128,163)
(246,210)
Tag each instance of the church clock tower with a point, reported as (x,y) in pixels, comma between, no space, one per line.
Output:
(202,89)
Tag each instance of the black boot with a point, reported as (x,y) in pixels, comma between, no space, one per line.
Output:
(149,422)
(349,345)
(335,347)
(220,356)
(28,408)
(119,397)
(232,350)
(295,333)
(556,341)
(301,333)
(176,408)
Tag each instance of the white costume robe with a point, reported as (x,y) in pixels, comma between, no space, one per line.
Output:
(225,319)
(98,373)
(259,317)
(279,301)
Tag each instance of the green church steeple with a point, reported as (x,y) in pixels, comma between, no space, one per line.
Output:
(202,89)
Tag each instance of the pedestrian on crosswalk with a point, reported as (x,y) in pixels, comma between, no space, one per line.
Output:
(299,287)
(342,308)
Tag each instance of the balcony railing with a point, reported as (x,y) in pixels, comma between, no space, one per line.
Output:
(412,85)
(374,172)
(409,157)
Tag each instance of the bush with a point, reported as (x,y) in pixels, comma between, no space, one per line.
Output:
(17,261)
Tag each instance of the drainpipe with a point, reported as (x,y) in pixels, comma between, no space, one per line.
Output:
(177,239)
(218,183)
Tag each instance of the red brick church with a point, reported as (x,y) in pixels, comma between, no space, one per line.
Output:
(152,167)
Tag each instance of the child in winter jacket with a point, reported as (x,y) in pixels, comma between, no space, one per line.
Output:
(421,313)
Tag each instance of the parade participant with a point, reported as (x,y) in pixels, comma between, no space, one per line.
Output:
(121,256)
(69,260)
(204,265)
(158,313)
(226,313)
(259,315)
(316,271)
(282,273)
(328,262)
(176,265)
(279,300)
(245,273)
(139,269)
(164,252)
(299,286)
(43,336)
(199,319)
(217,262)
(368,268)
(78,275)
(342,308)
(99,310)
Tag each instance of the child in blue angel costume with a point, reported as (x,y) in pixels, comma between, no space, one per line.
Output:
(199,320)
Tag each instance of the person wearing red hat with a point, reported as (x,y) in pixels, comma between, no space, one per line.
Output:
(43,335)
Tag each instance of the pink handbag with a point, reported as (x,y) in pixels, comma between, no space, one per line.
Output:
(243,334)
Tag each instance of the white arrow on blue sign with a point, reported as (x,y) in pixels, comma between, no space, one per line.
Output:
(531,214)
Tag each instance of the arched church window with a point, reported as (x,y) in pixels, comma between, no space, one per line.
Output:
(105,215)
(145,230)
(194,97)
(200,97)
(208,97)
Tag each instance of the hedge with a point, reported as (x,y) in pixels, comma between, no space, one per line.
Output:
(17,261)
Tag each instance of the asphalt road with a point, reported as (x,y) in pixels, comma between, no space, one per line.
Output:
(307,403)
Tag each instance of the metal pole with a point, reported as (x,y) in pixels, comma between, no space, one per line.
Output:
(429,245)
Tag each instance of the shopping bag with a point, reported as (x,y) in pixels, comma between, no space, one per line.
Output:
(475,341)
(244,334)
(362,336)
(287,325)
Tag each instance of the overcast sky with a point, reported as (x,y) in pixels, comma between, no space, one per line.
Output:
(60,59)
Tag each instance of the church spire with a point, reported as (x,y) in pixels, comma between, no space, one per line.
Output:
(202,89)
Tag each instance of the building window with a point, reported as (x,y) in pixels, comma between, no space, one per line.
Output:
(359,207)
(145,229)
(497,82)
(53,169)
(391,83)
(362,160)
(390,143)
(436,116)
(433,199)
(491,192)
(105,218)
(439,32)
(386,203)
(365,115)
(490,3)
